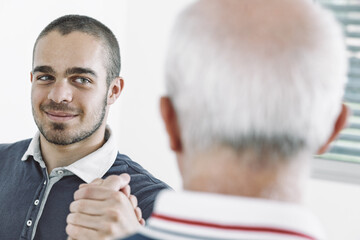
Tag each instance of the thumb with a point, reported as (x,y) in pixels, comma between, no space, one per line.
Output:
(116,182)
(97,181)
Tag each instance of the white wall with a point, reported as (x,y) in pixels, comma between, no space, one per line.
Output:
(142,135)
(142,27)
(20,23)
(337,206)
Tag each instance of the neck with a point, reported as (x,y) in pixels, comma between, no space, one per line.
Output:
(63,155)
(223,171)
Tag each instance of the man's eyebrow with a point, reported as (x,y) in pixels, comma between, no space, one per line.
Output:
(43,69)
(80,70)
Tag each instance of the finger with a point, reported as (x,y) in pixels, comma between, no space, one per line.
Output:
(83,185)
(142,222)
(84,220)
(94,193)
(138,213)
(80,233)
(116,200)
(116,182)
(126,190)
(85,206)
(133,200)
(97,181)
(97,223)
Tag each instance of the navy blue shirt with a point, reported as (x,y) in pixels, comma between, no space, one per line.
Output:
(23,183)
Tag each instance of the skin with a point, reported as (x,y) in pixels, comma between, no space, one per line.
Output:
(205,171)
(101,212)
(70,102)
(69,96)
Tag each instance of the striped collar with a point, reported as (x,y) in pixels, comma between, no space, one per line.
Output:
(192,215)
(92,166)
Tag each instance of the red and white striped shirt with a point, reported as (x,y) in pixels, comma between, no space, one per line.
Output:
(193,215)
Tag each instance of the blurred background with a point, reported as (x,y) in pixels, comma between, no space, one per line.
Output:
(142,28)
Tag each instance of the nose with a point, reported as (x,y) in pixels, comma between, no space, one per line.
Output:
(61,92)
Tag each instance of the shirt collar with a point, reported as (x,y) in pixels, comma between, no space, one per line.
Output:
(92,166)
(34,150)
(233,210)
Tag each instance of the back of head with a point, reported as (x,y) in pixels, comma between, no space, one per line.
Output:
(265,75)
(71,23)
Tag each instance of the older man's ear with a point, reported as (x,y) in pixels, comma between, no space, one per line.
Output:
(340,124)
(169,117)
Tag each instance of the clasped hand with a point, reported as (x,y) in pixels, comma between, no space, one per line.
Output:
(104,209)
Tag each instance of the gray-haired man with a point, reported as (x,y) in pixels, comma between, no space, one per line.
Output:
(254,89)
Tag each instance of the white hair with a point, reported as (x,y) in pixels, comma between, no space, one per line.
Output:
(265,74)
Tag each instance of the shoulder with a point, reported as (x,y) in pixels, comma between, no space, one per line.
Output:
(11,154)
(124,164)
(16,147)
(141,179)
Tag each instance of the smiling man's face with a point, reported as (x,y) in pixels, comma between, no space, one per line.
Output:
(69,91)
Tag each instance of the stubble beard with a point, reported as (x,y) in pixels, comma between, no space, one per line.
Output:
(58,134)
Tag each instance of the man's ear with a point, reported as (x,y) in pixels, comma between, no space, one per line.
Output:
(169,117)
(340,123)
(31,77)
(115,89)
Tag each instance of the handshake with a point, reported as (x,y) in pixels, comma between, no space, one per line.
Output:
(104,209)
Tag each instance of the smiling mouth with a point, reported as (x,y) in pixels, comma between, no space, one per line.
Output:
(60,116)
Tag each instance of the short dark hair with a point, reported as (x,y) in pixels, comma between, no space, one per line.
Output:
(71,23)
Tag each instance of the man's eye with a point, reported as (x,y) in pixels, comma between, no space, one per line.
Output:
(82,80)
(45,78)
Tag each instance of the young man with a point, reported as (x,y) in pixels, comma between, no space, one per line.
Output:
(75,79)
(254,90)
